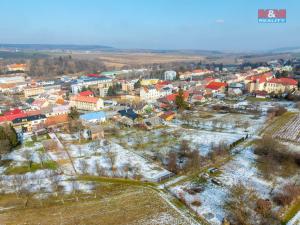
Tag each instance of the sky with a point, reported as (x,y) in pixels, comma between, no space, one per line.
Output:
(226,25)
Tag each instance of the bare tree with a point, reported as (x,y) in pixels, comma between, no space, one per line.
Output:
(83,166)
(240,204)
(111,156)
(172,162)
(75,188)
(99,169)
(27,155)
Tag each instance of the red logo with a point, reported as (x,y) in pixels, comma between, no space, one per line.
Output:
(272,13)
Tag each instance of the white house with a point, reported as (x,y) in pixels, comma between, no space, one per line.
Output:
(170,75)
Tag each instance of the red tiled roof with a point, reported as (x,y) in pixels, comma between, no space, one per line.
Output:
(12,112)
(57,119)
(86,93)
(12,117)
(216,85)
(85,99)
(283,81)
(93,75)
(172,97)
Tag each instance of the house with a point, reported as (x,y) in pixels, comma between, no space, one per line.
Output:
(33,91)
(235,89)
(129,113)
(12,114)
(261,94)
(198,98)
(215,86)
(7,88)
(57,121)
(12,79)
(281,85)
(87,93)
(172,97)
(168,116)
(170,75)
(86,103)
(94,117)
(39,103)
(150,93)
(30,123)
(17,67)
(147,82)
(87,81)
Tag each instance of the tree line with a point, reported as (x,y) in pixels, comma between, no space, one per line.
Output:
(55,66)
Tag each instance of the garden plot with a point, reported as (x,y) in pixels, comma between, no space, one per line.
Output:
(290,131)
(204,140)
(239,170)
(225,122)
(115,161)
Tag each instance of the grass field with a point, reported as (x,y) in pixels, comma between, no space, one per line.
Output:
(114,204)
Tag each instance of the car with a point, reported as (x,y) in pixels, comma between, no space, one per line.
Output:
(204,175)
(213,170)
(216,181)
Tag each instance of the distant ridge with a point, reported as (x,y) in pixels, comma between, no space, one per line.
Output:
(64,47)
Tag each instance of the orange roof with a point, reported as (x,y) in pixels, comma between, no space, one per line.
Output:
(172,97)
(7,85)
(20,65)
(50,121)
(60,101)
(88,99)
(216,85)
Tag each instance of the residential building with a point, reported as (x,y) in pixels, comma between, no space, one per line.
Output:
(214,86)
(150,93)
(170,75)
(87,103)
(280,85)
(86,81)
(12,79)
(33,91)
(17,67)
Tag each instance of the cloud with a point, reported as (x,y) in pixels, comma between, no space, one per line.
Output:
(220,21)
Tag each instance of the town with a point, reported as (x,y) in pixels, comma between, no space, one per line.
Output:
(194,134)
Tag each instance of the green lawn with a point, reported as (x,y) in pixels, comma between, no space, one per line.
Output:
(34,167)
(291,212)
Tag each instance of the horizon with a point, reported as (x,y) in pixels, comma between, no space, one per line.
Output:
(155,25)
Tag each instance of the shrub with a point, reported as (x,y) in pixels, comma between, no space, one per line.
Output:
(196,203)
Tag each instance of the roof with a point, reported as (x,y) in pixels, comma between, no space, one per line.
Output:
(4,86)
(12,117)
(13,112)
(93,115)
(283,81)
(172,97)
(53,120)
(216,85)
(86,93)
(128,113)
(88,99)
(29,118)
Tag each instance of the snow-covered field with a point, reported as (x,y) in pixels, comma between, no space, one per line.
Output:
(239,170)
(203,140)
(126,163)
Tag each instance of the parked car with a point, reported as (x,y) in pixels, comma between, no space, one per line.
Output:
(216,181)
(213,170)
